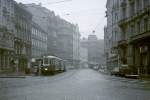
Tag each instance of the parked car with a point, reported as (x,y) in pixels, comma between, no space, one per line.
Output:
(122,71)
(115,71)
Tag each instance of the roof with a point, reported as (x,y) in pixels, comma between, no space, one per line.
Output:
(53,57)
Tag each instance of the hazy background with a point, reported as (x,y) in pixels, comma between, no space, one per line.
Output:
(88,14)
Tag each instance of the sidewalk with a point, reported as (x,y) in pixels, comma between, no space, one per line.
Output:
(9,76)
(12,75)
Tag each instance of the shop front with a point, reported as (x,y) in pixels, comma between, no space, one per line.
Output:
(142,57)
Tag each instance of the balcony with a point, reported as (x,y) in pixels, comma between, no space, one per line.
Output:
(6,39)
(122,42)
(142,35)
(6,44)
(123,21)
(115,44)
(140,13)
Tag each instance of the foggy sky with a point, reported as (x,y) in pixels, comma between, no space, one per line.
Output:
(88,14)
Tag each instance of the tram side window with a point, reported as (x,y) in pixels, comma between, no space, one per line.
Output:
(45,60)
(51,61)
(54,62)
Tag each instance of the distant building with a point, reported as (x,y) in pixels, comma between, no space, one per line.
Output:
(39,41)
(84,53)
(95,51)
(65,41)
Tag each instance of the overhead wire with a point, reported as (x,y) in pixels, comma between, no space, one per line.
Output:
(62,1)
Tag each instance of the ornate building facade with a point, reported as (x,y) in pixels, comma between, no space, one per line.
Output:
(95,51)
(6,35)
(22,39)
(15,37)
(111,32)
(132,34)
(133,46)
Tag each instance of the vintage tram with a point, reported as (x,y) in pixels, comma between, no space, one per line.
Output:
(52,65)
(49,65)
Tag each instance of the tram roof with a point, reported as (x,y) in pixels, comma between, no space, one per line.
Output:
(53,57)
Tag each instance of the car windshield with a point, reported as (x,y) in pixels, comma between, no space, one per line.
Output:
(74,49)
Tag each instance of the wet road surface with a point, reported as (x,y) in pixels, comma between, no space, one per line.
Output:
(81,84)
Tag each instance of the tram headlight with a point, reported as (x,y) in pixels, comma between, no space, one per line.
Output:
(46,69)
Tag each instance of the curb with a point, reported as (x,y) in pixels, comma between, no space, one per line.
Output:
(12,76)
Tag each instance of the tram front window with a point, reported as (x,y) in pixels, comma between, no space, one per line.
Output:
(45,60)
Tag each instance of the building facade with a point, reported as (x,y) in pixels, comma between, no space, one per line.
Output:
(106,46)
(84,53)
(76,46)
(129,22)
(22,38)
(133,45)
(46,20)
(111,32)
(65,41)
(6,35)
(62,36)
(39,41)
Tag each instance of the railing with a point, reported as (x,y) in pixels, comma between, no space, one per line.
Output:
(6,44)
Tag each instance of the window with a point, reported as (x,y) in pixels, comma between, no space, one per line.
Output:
(45,60)
(132,9)
(116,18)
(138,5)
(145,3)
(132,29)
(0,3)
(124,13)
(145,24)
(115,36)
(138,27)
